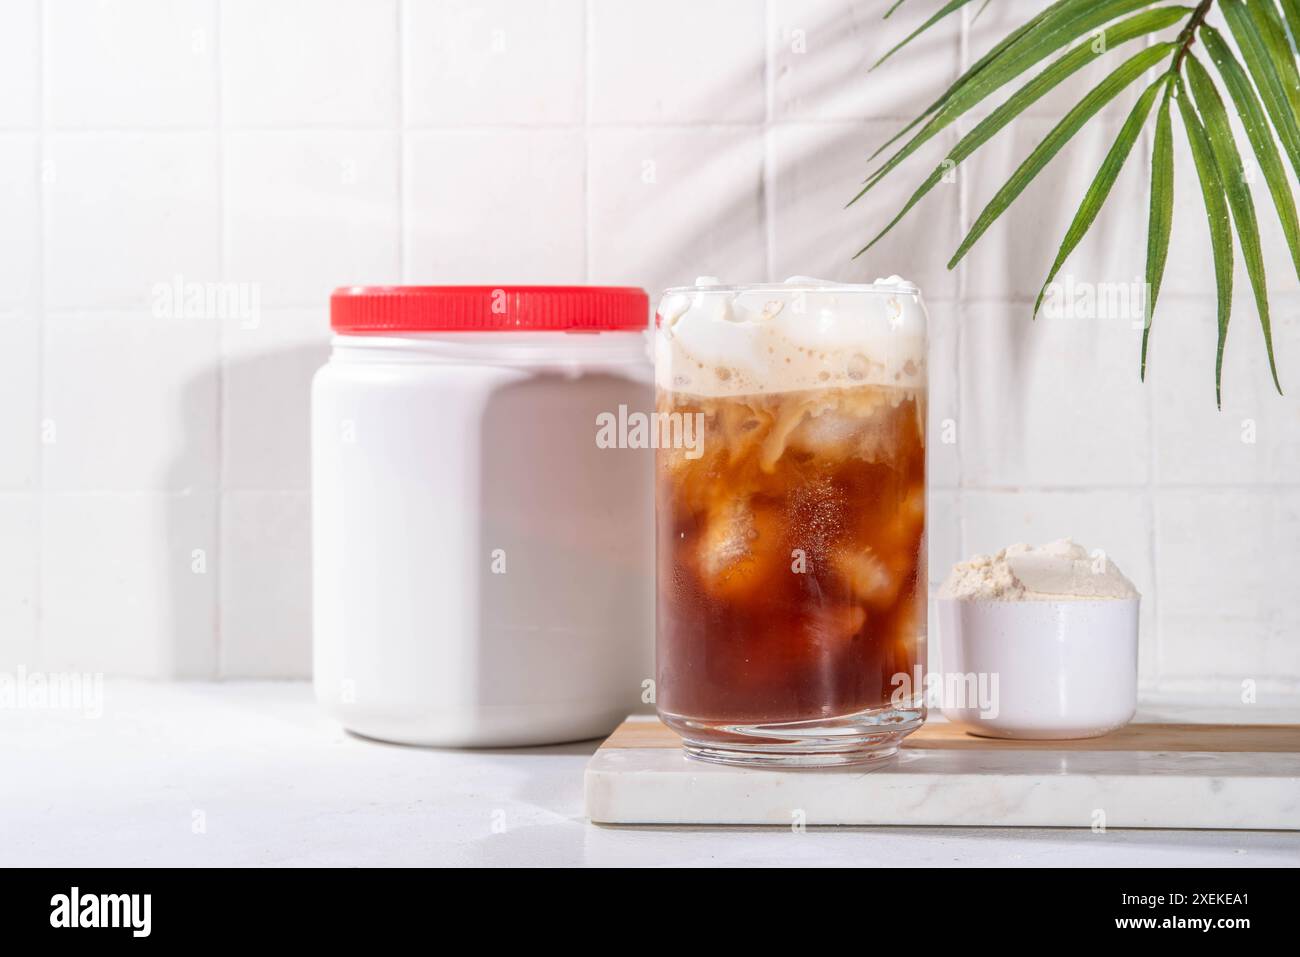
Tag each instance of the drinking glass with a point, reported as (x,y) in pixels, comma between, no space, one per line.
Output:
(790,517)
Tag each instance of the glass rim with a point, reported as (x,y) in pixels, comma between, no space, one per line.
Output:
(857,288)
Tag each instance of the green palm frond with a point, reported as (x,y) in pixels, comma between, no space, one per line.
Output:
(1101,184)
(964,79)
(1259,135)
(1056,27)
(1216,211)
(1240,200)
(952,6)
(1261,78)
(1160,222)
(1291,10)
(1088,107)
(1138,26)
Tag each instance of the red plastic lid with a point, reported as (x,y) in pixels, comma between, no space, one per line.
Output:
(380,309)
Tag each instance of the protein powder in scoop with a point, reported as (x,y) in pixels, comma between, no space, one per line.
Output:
(1058,571)
(1050,633)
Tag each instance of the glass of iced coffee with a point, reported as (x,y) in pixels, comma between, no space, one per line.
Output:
(790,513)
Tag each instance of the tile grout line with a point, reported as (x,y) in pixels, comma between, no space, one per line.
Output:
(768,181)
(219,496)
(403,272)
(38,599)
(963,199)
(588,27)
(1153,485)
(470,128)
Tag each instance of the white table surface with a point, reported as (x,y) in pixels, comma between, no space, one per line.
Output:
(250,773)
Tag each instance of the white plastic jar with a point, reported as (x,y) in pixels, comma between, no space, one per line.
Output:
(483,569)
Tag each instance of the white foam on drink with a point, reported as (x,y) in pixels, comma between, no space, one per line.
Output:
(716,340)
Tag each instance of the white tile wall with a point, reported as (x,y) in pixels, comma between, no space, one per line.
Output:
(265,584)
(20,64)
(1253,440)
(129,403)
(510,225)
(20,531)
(816,48)
(1050,402)
(264,424)
(490,62)
(20,226)
(20,351)
(308,211)
(124,211)
(130,64)
(154,488)
(296,63)
(1243,633)
(943,460)
(677,61)
(816,169)
(128,583)
(670,204)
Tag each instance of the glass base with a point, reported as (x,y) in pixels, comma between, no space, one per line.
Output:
(866,737)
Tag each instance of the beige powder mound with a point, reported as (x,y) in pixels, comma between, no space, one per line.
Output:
(1057,571)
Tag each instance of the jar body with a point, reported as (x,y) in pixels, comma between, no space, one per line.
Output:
(481,567)
(791,571)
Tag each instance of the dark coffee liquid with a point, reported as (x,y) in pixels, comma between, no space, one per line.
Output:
(791,577)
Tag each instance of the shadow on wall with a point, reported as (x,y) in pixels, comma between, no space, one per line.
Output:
(719,202)
(256,601)
(717,196)
(249,613)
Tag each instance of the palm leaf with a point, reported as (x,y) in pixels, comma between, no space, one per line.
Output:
(1061,134)
(1060,26)
(1257,131)
(966,77)
(1101,184)
(1240,202)
(952,6)
(1136,26)
(1291,8)
(1257,40)
(1216,211)
(1273,31)
(1161,220)
(1056,27)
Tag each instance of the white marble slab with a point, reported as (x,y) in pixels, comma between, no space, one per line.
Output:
(1040,788)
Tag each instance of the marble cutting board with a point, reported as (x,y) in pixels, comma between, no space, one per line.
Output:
(1145,775)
